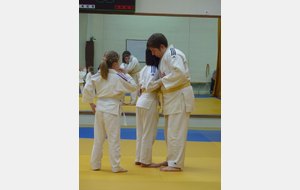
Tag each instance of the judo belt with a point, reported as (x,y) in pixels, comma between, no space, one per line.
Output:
(121,110)
(187,84)
(120,107)
(134,72)
(159,99)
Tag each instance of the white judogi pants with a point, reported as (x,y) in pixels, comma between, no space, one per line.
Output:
(176,127)
(106,124)
(81,87)
(146,131)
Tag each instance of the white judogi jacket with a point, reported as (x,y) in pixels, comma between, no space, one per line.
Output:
(109,92)
(88,77)
(149,77)
(132,67)
(81,75)
(174,65)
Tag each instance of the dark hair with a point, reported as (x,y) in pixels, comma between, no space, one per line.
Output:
(156,40)
(125,54)
(91,68)
(151,59)
(107,62)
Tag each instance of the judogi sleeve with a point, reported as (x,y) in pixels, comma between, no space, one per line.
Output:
(151,79)
(132,64)
(177,75)
(127,83)
(88,92)
(88,77)
(122,66)
(81,74)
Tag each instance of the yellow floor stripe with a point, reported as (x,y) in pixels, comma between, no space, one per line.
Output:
(209,106)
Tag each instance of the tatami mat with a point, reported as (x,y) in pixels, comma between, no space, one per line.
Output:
(207,106)
(202,168)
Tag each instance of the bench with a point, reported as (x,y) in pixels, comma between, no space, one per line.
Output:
(197,85)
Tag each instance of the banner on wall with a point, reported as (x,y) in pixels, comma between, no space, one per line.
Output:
(107,5)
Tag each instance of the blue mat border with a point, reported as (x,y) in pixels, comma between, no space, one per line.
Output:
(130,134)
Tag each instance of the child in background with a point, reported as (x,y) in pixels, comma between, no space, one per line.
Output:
(90,73)
(132,66)
(81,76)
(147,112)
(110,84)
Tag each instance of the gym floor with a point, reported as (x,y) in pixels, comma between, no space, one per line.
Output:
(202,167)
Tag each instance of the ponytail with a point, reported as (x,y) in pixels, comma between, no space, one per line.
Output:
(107,63)
(104,69)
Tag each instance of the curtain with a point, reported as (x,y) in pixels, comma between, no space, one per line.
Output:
(217,88)
(89,54)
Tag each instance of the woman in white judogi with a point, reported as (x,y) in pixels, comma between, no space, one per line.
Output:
(110,86)
(178,99)
(147,112)
(132,66)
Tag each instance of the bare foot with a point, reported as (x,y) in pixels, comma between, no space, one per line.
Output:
(165,163)
(137,163)
(124,104)
(170,169)
(152,165)
(122,170)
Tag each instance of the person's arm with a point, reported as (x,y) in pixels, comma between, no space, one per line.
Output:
(93,106)
(132,65)
(89,94)
(88,77)
(128,84)
(152,79)
(177,75)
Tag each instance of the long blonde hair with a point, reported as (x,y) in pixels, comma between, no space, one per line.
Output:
(107,62)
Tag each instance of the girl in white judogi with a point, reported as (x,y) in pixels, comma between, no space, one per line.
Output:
(90,73)
(178,99)
(132,66)
(110,85)
(81,76)
(147,112)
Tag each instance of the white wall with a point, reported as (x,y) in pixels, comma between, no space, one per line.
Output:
(194,7)
(196,37)
(82,38)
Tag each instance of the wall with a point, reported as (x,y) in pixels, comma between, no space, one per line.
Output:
(196,37)
(82,38)
(194,7)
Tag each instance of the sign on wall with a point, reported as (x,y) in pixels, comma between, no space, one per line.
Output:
(137,48)
(107,5)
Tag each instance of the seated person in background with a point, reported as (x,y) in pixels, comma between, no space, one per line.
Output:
(213,82)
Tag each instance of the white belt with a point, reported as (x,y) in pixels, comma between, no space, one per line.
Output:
(120,107)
